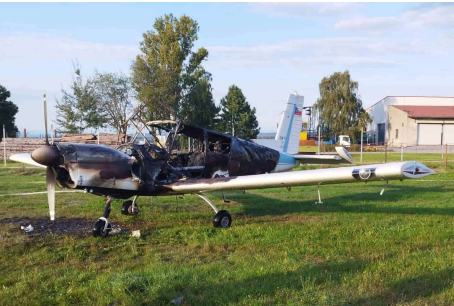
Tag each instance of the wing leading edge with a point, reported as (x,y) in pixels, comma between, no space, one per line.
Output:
(377,172)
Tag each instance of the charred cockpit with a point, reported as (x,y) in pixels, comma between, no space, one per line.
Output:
(190,152)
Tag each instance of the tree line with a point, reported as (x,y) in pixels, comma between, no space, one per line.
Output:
(168,76)
(8,111)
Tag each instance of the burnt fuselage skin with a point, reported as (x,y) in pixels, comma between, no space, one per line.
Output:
(145,170)
(98,169)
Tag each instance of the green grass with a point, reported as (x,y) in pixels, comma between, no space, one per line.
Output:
(358,248)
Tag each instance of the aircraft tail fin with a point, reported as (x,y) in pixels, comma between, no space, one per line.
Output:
(288,132)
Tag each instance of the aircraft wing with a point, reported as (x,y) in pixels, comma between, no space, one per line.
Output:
(25,158)
(342,157)
(365,173)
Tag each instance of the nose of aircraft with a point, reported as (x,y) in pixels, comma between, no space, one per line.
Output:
(47,155)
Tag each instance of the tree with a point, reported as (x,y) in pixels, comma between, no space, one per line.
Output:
(79,109)
(236,116)
(8,111)
(167,70)
(198,107)
(114,96)
(341,109)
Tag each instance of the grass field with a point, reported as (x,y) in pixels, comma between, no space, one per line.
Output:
(358,248)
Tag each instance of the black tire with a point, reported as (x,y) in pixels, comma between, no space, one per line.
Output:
(98,229)
(126,207)
(222,219)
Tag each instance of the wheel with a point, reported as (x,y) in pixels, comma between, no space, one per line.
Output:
(99,229)
(222,219)
(126,208)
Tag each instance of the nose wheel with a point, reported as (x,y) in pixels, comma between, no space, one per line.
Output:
(101,228)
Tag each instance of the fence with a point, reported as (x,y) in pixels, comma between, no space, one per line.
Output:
(10,146)
(443,154)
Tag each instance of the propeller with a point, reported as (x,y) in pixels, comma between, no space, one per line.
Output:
(50,182)
(45,119)
(48,156)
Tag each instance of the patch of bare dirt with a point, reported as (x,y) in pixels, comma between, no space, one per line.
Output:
(70,226)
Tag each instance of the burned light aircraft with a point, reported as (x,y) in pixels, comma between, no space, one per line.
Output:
(214,162)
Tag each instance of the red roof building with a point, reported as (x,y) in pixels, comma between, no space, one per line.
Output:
(438,112)
(421,120)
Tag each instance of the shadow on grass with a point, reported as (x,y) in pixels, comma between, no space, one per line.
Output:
(310,284)
(410,289)
(262,286)
(258,205)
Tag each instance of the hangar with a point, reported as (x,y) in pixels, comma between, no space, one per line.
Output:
(421,125)
(412,120)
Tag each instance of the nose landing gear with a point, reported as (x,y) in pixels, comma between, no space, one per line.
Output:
(102,226)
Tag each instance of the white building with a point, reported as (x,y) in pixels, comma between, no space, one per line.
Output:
(423,126)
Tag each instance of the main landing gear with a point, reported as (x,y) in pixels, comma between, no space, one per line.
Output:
(222,218)
(130,207)
(102,226)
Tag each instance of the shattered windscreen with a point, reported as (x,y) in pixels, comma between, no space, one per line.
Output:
(204,154)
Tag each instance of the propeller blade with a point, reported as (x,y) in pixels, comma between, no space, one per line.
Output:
(45,119)
(50,182)
(25,158)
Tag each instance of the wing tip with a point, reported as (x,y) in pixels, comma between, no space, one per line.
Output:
(345,155)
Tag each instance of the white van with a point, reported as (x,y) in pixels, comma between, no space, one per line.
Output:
(344,140)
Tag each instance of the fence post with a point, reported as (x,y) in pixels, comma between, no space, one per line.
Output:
(402,152)
(361,156)
(446,156)
(4,145)
(386,151)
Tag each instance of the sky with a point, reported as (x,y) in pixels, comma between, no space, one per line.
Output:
(269,50)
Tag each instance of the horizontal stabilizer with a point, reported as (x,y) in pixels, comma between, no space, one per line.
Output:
(342,157)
